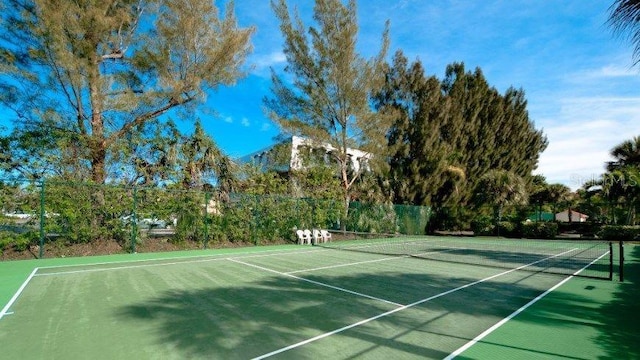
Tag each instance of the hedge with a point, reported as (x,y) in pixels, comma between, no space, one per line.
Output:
(620,232)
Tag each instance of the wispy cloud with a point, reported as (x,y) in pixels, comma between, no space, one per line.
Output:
(582,135)
(265,61)
(581,87)
(245,122)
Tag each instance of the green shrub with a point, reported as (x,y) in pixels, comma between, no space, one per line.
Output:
(371,218)
(509,229)
(620,232)
(20,242)
(483,226)
(539,230)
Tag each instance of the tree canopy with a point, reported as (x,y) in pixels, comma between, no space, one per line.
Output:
(82,75)
(328,98)
(449,133)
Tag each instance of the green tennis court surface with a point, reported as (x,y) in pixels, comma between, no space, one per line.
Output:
(298,302)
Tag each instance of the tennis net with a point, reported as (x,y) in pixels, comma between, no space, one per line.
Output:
(586,258)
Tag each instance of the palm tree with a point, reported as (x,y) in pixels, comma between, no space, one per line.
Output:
(621,183)
(202,160)
(500,188)
(625,154)
(625,19)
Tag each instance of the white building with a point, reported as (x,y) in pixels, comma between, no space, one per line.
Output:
(300,149)
(571,216)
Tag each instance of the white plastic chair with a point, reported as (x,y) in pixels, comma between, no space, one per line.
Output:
(307,234)
(317,236)
(326,235)
(302,237)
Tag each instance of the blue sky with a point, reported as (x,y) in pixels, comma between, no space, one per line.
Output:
(578,78)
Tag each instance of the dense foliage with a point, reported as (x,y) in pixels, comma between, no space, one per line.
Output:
(327,100)
(449,135)
(85,78)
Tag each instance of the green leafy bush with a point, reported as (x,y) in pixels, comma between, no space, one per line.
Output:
(483,226)
(371,218)
(20,242)
(539,230)
(509,229)
(620,232)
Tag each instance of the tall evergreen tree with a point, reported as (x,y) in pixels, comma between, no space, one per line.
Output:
(448,134)
(92,72)
(488,131)
(328,100)
(419,159)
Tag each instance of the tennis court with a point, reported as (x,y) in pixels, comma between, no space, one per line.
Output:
(287,301)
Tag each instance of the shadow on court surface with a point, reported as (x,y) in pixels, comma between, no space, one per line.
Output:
(267,315)
(583,319)
(622,315)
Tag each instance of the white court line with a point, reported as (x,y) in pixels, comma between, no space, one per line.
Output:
(127,267)
(315,282)
(366,262)
(515,313)
(362,322)
(222,255)
(347,264)
(5,310)
(212,258)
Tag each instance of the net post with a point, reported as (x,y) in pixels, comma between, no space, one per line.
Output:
(610,261)
(621,245)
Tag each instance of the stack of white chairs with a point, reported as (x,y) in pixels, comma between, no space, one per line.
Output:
(304,236)
(316,236)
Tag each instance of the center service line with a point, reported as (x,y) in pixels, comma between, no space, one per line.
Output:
(315,282)
(362,322)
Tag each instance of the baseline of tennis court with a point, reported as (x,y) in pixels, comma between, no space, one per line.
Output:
(298,302)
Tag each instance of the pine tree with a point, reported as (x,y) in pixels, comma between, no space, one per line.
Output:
(328,100)
(94,72)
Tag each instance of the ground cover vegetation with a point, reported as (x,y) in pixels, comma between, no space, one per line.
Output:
(95,154)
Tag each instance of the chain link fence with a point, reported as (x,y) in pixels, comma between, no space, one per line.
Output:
(37,214)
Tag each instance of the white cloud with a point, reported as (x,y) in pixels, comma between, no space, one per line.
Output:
(265,127)
(617,71)
(609,71)
(583,134)
(262,62)
(245,122)
(228,119)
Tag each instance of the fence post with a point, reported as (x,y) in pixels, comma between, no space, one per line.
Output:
(206,219)
(134,219)
(42,214)
(254,216)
